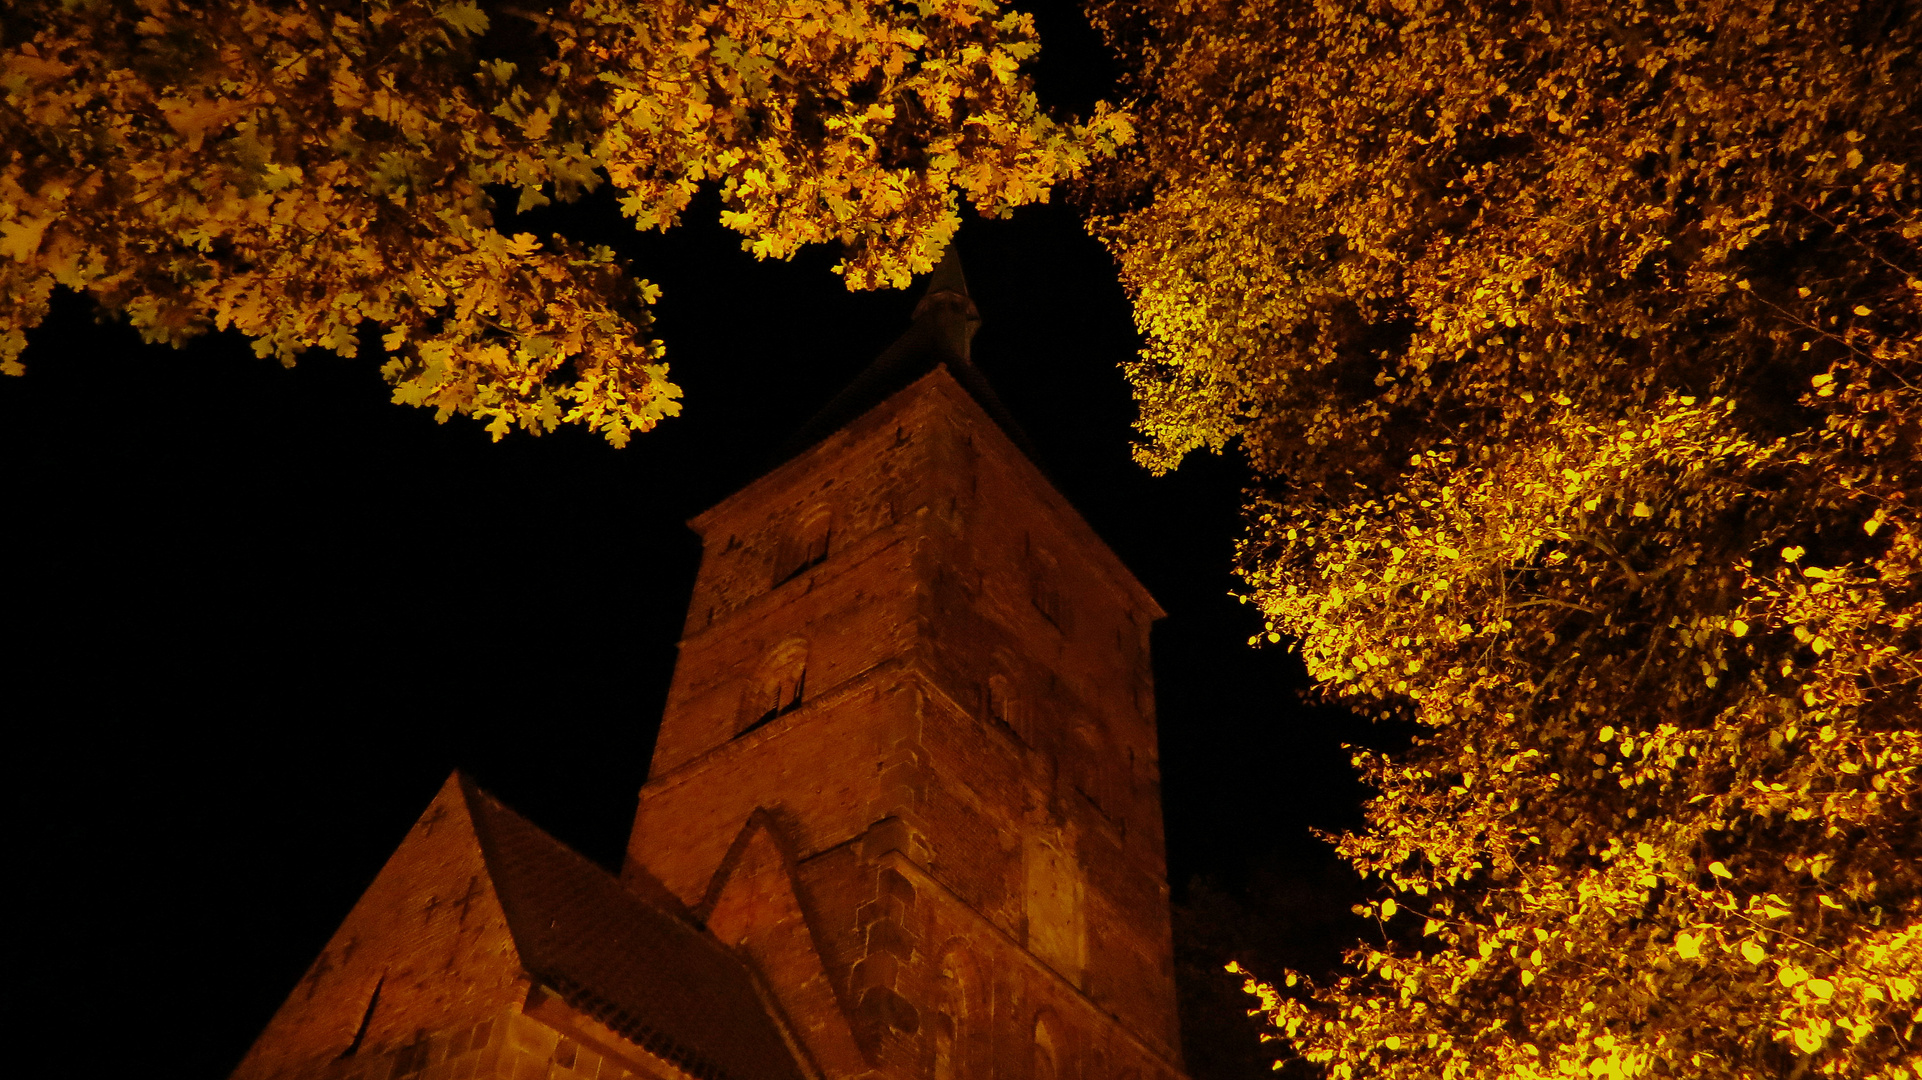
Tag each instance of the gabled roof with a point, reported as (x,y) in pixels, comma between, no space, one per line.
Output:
(637,967)
(940,334)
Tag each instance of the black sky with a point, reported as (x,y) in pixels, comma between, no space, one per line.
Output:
(255,615)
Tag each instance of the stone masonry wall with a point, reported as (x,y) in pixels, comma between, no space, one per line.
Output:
(422,982)
(507,1045)
(425,948)
(977,708)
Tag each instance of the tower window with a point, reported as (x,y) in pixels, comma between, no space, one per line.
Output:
(957,1037)
(1000,700)
(805,548)
(1044,587)
(1004,705)
(945,1030)
(1047,1048)
(777,687)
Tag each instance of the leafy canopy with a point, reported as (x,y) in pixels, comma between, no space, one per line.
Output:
(293,170)
(1575,345)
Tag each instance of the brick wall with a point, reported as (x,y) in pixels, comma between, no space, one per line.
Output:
(978,708)
(508,1045)
(425,949)
(909,652)
(422,982)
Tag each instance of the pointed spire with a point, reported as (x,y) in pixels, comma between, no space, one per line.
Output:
(946,314)
(941,333)
(947,306)
(947,276)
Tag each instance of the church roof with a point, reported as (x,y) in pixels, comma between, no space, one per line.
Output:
(636,966)
(940,333)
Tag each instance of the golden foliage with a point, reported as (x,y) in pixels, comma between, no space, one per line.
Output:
(294,170)
(1576,345)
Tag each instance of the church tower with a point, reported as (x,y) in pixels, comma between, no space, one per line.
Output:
(908,761)
(903,818)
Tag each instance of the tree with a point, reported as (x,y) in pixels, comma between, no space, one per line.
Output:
(1575,347)
(294,170)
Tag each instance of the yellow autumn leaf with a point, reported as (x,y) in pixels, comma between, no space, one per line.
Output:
(196,118)
(465,16)
(1558,207)
(20,238)
(29,68)
(319,171)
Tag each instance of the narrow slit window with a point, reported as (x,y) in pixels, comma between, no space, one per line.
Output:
(366,1019)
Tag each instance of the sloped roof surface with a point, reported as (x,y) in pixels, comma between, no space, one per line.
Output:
(644,972)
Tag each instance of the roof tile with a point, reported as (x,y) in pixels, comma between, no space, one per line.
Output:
(646,972)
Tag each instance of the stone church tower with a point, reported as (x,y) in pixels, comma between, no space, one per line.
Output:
(902,821)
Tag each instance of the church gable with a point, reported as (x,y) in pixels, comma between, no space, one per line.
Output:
(426,947)
(754,905)
(485,948)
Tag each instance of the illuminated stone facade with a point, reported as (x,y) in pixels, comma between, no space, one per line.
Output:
(902,821)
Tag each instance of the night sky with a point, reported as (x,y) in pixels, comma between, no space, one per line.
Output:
(255,615)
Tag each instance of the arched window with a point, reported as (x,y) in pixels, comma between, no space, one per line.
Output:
(1097,769)
(1003,707)
(777,686)
(1049,1049)
(1044,586)
(945,1037)
(956,1050)
(805,547)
